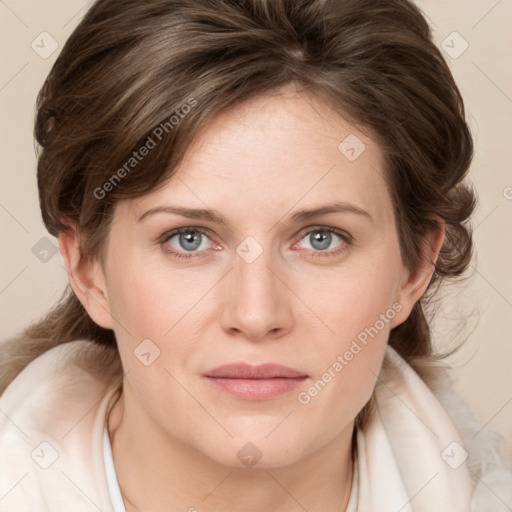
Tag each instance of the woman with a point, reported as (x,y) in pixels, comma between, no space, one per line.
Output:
(254,201)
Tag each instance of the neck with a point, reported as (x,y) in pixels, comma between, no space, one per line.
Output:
(161,473)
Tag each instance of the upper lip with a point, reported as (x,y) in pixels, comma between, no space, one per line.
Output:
(247,371)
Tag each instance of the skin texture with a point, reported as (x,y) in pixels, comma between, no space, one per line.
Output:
(175,437)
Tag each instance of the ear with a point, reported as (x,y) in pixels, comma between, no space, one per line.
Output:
(414,284)
(86,277)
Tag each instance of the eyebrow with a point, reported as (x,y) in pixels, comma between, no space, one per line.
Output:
(190,213)
(336,207)
(297,217)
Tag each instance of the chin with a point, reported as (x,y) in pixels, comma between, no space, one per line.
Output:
(254,452)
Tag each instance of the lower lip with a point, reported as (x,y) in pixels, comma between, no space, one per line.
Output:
(256,389)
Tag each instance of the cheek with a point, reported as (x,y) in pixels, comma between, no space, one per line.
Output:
(335,397)
(353,299)
(358,307)
(153,300)
(348,362)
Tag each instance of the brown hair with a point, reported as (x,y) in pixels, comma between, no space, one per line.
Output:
(131,66)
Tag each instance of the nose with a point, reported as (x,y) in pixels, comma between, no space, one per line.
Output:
(257,303)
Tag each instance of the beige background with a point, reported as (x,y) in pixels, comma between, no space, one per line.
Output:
(480,310)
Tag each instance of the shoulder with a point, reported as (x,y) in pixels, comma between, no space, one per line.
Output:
(490,474)
(51,430)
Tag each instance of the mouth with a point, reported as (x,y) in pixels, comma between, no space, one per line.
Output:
(261,382)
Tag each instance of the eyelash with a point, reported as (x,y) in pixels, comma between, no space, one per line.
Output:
(345,237)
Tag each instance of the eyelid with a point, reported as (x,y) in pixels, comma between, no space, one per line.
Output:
(331,229)
(184,229)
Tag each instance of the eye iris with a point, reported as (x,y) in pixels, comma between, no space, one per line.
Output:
(190,241)
(320,240)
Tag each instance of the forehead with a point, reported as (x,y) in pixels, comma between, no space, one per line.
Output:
(272,152)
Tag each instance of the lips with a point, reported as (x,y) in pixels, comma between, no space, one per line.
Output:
(249,382)
(246,371)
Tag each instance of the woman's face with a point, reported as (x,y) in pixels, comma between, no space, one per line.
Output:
(289,256)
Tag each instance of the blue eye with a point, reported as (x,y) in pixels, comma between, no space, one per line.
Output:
(320,240)
(189,240)
(323,238)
